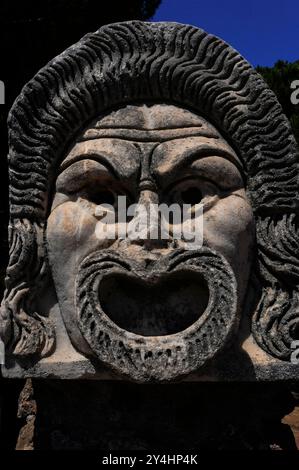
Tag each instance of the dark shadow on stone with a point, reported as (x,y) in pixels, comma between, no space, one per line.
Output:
(9,425)
(186,416)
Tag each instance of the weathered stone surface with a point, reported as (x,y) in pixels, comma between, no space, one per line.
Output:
(9,429)
(26,414)
(159,113)
(292,420)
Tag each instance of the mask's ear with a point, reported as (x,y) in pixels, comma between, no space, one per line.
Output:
(275,322)
(23,330)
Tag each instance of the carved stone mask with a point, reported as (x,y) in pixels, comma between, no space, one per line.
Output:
(148,307)
(159,113)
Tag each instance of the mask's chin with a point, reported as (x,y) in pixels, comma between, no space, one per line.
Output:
(157,324)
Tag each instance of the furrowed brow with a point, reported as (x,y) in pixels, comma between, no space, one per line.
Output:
(122,160)
(178,161)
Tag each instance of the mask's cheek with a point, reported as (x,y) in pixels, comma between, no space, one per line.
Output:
(71,233)
(69,227)
(229,228)
(70,236)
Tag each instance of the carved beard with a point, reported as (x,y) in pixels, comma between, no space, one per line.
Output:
(160,322)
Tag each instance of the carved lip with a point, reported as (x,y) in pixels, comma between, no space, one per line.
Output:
(156,343)
(106,269)
(154,304)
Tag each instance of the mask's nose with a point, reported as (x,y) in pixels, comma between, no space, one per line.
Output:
(145,228)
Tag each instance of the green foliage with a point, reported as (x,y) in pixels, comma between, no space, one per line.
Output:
(279,78)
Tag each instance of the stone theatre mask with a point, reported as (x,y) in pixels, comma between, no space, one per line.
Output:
(158,113)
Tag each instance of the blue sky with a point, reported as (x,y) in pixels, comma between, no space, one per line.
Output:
(263,31)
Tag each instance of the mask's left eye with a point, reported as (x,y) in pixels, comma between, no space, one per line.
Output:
(191,195)
(192,192)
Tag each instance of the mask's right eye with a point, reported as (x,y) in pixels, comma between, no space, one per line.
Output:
(91,183)
(102,196)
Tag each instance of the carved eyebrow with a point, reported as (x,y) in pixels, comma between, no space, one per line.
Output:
(98,157)
(212,152)
(121,159)
(189,156)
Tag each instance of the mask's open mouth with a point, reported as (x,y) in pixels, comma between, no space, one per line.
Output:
(158,323)
(154,306)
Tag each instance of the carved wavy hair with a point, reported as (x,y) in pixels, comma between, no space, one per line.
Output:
(152,62)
